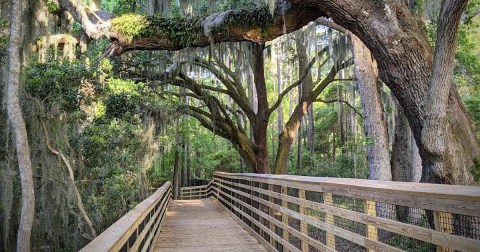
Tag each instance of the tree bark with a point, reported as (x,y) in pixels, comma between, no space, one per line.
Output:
(261,118)
(435,131)
(15,117)
(405,60)
(188,164)
(406,162)
(184,166)
(374,125)
(176,170)
(279,91)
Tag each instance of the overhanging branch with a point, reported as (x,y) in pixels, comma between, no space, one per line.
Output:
(161,33)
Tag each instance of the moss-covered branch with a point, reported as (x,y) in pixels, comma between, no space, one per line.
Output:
(136,32)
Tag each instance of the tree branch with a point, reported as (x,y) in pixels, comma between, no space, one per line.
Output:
(298,82)
(160,33)
(341,101)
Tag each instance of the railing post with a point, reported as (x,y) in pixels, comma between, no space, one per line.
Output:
(285,216)
(272,214)
(329,219)
(303,224)
(443,223)
(372,231)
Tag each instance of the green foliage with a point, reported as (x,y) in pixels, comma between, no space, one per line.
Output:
(130,25)
(186,31)
(473,107)
(122,105)
(476,169)
(52,6)
(118,7)
(57,83)
(241,4)
(343,167)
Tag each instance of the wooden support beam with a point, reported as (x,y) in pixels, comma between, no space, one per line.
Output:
(303,224)
(329,219)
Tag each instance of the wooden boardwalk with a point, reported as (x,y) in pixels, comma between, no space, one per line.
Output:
(202,225)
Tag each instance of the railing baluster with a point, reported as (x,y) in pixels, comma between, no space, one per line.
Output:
(443,223)
(303,224)
(329,219)
(285,236)
(371,210)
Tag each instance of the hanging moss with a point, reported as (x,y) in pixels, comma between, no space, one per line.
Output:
(3,37)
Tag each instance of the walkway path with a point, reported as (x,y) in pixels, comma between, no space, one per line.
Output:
(202,225)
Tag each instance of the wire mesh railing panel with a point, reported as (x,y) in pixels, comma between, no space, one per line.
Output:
(344,245)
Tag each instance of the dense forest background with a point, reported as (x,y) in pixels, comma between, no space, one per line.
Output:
(104,131)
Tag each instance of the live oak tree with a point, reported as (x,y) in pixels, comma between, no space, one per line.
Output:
(420,77)
(407,63)
(397,42)
(226,109)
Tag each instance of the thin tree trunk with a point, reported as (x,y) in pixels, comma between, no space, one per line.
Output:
(299,150)
(176,168)
(162,163)
(65,161)
(188,164)
(375,126)
(184,167)
(17,123)
(311,130)
(279,91)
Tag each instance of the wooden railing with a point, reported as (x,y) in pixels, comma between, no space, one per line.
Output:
(295,213)
(195,192)
(138,229)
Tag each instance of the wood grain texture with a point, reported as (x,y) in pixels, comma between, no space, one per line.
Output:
(201,225)
(118,234)
(234,190)
(446,198)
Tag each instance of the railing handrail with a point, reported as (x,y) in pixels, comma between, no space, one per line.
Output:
(257,201)
(118,234)
(437,197)
(196,192)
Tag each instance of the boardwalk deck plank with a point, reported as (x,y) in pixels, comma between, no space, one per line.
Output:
(202,225)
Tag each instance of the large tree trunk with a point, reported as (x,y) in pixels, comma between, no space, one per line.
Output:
(261,117)
(436,133)
(17,123)
(406,162)
(405,60)
(374,124)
